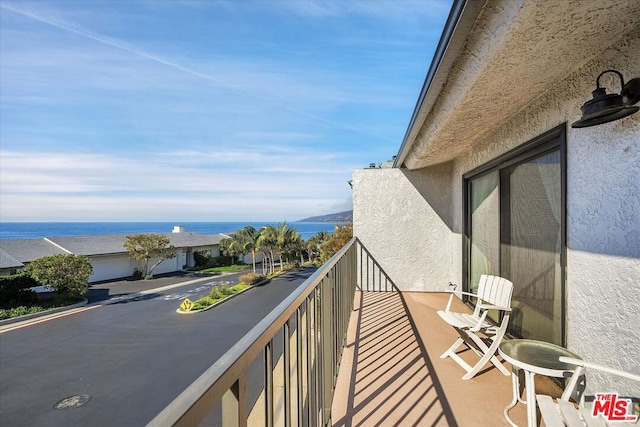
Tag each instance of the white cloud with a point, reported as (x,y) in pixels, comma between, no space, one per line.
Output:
(114,112)
(163,207)
(99,186)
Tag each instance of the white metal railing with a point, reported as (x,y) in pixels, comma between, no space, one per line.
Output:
(297,348)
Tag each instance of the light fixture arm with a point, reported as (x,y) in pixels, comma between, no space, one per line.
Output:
(611,71)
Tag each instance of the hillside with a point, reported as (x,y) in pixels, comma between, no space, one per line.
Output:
(346,216)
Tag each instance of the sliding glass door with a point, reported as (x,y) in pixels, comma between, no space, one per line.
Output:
(485,228)
(515,229)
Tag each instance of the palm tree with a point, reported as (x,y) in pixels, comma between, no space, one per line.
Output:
(247,238)
(282,241)
(228,247)
(295,245)
(267,242)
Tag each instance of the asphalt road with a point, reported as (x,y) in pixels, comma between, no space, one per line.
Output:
(130,356)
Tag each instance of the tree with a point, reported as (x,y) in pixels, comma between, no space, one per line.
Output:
(144,247)
(67,274)
(248,239)
(228,248)
(267,242)
(295,246)
(313,244)
(340,237)
(242,241)
(283,239)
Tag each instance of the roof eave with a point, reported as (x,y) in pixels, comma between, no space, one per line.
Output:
(461,19)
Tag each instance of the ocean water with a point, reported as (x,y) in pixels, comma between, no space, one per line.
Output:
(37,230)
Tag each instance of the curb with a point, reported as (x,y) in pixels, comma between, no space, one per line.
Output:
(12,320)
(33,316)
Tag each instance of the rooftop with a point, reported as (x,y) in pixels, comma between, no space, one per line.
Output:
(13,253)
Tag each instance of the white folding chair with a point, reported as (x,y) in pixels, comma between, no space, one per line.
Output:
(563,413)
(476,331)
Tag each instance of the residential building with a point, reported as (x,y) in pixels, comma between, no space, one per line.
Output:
(492,178)
(107,254)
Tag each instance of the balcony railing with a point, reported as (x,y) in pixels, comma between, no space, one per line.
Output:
(283,371)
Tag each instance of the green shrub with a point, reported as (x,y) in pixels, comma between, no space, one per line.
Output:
(239,287)
(203,259)
(67,274)
(203,302)
(148,277)
(226,291)
(216,293)
(14,290)
(251,278)
(38,306)
(223,260)
(290,265)
(19,311)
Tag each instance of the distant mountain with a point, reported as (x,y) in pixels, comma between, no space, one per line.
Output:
(346,216)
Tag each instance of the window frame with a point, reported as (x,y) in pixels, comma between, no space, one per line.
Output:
(552,140)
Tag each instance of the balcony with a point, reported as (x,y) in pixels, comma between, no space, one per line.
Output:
(347,349)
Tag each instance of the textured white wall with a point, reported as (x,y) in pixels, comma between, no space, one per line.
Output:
(111,267)
(603,218)
(402,218)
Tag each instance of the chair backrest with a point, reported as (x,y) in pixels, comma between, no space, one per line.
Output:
(495,290)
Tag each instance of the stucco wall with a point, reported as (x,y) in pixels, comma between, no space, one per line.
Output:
(403,218)
(109,267)
(603,218)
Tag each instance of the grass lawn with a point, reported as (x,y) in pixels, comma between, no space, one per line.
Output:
(227,269)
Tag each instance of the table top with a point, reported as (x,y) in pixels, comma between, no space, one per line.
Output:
(537,356)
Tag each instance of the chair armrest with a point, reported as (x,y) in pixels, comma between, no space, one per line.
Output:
(493,307)
(579,362)
(461,293)
(454,293)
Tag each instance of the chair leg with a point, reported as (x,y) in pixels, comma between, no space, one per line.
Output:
(489,356)
(452,350)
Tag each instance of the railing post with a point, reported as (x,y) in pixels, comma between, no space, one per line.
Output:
(312,359)
(326,343)
(268,384)
(234,404)
(322,309)
(300,366)
(286,362)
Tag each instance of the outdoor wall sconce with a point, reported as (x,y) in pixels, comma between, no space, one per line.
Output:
(604,108)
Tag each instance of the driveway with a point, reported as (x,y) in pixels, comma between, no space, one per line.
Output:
(127,355)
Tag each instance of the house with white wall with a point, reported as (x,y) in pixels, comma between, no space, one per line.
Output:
(491,177)
(109,259)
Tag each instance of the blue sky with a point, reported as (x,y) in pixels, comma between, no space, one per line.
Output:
(202,110)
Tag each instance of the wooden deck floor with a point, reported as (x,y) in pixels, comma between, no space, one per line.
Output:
(391,373)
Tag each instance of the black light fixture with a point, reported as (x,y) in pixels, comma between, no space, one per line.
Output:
(604,108)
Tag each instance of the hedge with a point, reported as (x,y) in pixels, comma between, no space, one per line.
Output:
(14,290)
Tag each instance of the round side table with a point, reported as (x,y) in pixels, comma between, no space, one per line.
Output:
(533,357)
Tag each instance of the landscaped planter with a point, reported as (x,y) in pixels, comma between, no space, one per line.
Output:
(181,311)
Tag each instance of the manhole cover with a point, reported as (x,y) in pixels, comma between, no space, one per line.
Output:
(72,402)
